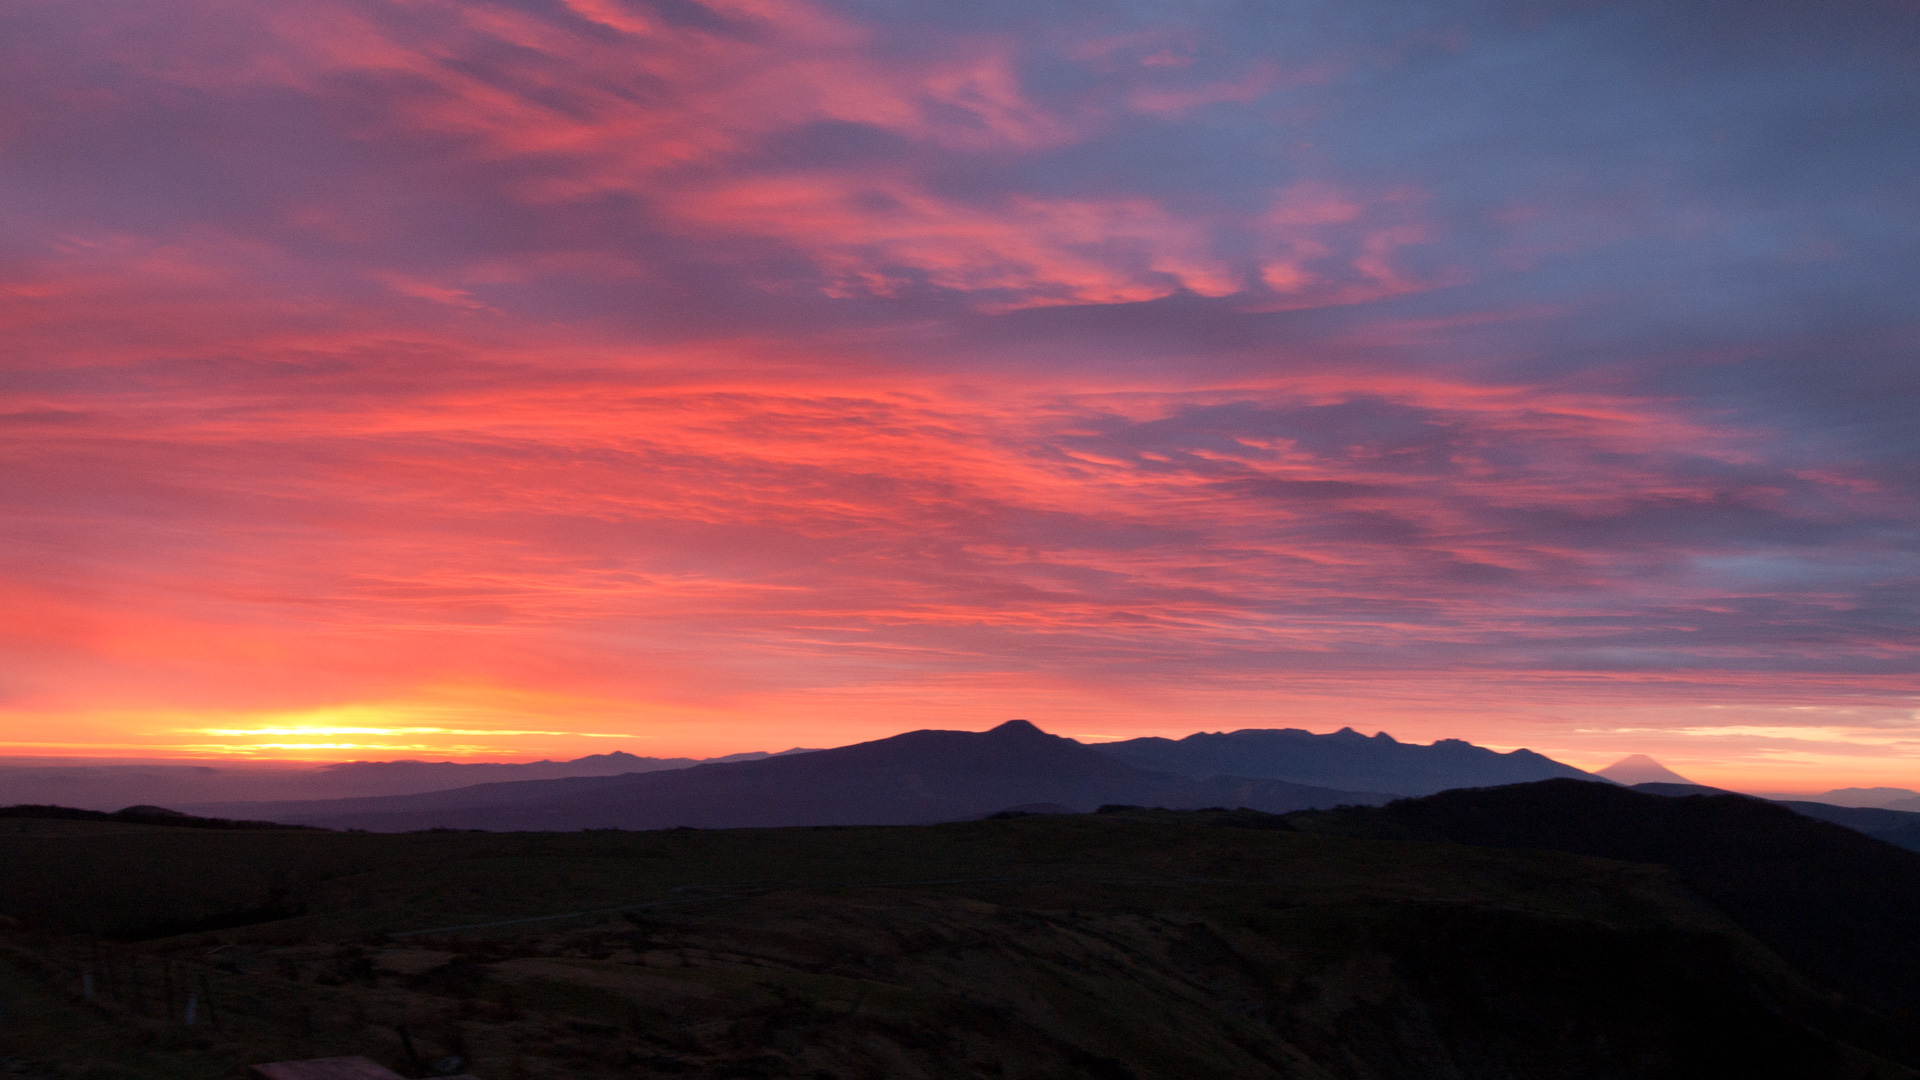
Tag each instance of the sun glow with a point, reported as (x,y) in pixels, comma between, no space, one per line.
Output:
(406,727)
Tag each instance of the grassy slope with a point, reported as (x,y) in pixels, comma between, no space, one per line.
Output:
(1140,944)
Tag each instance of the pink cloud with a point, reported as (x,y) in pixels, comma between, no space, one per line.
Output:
(873,236)
(683,369)
(655,109)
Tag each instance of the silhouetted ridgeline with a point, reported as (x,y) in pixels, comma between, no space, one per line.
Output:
(915,778)
(137,815)
(1345,760)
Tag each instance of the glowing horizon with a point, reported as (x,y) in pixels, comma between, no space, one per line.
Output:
(530,378)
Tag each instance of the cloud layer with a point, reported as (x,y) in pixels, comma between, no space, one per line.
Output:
(751,371)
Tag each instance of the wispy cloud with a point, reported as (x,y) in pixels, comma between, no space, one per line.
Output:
(536,370)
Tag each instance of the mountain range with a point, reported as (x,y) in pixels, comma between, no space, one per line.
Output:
(916,778)
(1344,760)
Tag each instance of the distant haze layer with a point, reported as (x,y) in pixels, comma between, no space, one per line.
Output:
(115,787)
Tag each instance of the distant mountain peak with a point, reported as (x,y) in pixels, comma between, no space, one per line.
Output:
(1641,769)
(1019,728)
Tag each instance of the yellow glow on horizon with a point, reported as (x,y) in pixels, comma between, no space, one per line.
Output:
(316,729)
(321,729)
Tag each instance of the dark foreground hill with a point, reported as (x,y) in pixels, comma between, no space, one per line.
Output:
(915,778)
(1825,897)
(1345,760)
(1130,945)
(1901,828)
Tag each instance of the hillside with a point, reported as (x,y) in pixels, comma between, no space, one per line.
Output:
(1901,828)
(916,778)
(1131,944)
(1344,759)
(1826,897)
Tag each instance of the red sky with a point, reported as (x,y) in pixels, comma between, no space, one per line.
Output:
(390,378)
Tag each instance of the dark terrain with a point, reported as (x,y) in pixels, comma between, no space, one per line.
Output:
(1901,828)
(1436,938)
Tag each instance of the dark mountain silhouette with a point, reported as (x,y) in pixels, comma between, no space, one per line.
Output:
(918,777)
(1345,760)
(1837,904)
(135,815)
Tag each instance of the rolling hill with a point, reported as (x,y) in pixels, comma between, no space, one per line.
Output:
(1824,896)
(1125,945)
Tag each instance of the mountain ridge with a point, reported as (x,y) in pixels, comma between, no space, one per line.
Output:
(1341,759)
(916,777)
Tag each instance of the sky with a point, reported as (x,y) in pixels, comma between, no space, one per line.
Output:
(499,379)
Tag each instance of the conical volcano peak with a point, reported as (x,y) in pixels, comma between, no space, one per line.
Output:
(1019,728)
(1641,769)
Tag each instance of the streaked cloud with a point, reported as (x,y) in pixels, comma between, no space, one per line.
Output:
(697,371)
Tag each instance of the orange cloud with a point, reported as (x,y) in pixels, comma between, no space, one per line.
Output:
(498,376)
